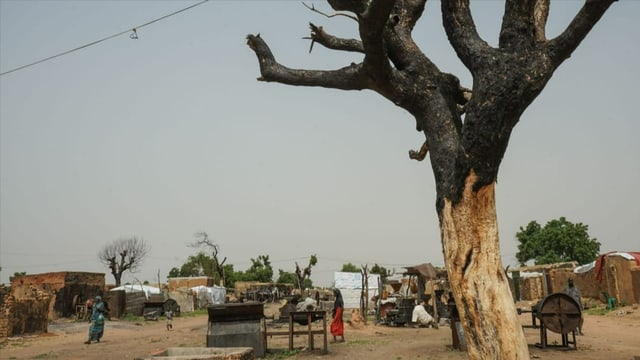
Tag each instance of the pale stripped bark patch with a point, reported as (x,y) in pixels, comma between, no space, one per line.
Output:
(472,255)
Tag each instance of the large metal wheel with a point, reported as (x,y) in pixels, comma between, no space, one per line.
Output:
(560,313)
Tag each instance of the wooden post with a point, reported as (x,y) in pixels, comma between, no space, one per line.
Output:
(324,332)
(290,331)
(435,304)
(364,294)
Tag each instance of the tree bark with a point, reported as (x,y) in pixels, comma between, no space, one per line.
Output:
(471,248)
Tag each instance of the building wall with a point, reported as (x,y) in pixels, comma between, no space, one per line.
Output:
(189,282)
(6,306)
(635,281)
(186,299)
(27,315)
(531,288)
(618,280)
(64,289)
(135,303)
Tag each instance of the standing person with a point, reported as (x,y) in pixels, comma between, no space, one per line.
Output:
(574,292)
(96,330)
(337,326)
(169,315)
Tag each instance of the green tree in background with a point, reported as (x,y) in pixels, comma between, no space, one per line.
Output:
(203,241)
(349,267)
(199,264)
(229,275)
(285,277)
(174,272)
(382,271)
(558,241)
(260,270)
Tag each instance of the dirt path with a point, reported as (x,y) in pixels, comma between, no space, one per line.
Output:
(607,337)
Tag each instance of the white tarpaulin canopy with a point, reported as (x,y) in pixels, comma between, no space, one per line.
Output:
(148,290)
(350,285)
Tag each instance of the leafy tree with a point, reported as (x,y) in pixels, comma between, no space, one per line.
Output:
(123,255)
(174,272)
(203,241)
(285,277)
(19,273)
(229,275)
(349,267)
(260,270)
(382,271)
(466,131)
(558,241)
(199,264)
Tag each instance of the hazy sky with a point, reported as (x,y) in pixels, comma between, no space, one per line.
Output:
(171,134)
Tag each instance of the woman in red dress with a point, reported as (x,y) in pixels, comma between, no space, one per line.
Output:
(337,326)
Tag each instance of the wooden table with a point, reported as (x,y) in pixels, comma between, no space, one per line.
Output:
(310,332)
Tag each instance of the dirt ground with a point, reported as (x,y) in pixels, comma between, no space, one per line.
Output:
(613,336)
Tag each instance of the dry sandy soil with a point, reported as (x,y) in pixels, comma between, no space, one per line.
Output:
(610,337)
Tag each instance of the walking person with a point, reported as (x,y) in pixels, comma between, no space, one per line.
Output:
(337,325)
(169,315)
(96,330)
(574,292)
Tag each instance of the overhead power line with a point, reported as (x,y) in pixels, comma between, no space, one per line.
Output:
(132,31)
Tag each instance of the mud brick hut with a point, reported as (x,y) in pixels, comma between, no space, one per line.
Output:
(26,315)
(613,275)
(64,289)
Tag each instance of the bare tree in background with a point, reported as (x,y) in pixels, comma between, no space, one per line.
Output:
(466,131)
(123,255)
(302,274)
(202,241)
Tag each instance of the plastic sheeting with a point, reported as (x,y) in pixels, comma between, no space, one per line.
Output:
(146,289)
(209,295)
(584,268)
(350,284)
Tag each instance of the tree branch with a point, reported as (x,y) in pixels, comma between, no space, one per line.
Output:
(402,50)
(540,16)
(421,154)
(331,42)
(354,6)
(564,44)
(347,78)
(523,23)
(462,33)
(313,8)
(372,24)
(518,30)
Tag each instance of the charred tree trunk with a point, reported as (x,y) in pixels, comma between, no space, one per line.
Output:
(466,131)
(472,254)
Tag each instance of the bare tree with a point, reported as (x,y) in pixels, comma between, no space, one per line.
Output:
(203,241)
(466,130)
(123,255)
(302,274)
